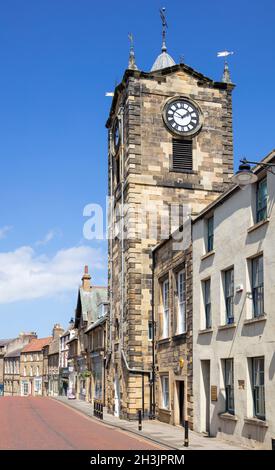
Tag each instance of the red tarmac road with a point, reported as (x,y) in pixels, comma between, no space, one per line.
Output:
(44,424)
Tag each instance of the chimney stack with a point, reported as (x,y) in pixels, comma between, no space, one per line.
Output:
(86,279)
(57,331)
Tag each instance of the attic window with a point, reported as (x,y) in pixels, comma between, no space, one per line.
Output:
(182,155)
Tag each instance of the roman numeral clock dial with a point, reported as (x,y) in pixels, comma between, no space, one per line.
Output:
(182,117)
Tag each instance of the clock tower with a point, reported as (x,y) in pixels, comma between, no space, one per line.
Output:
(170,144)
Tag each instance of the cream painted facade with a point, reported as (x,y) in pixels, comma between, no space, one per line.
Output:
(238,240)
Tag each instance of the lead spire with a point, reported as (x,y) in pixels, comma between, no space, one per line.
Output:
(132,61)
(226,74)
(164,27)
(163,60)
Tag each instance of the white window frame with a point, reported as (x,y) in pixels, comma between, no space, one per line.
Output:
(165,395)
(165,315)
(181,289)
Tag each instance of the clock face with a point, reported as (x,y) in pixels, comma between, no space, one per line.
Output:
(182,117)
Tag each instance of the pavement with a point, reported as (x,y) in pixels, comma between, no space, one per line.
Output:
(171,437)
(40,423)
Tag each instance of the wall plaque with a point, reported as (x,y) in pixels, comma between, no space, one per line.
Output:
(214,393)
(241,384)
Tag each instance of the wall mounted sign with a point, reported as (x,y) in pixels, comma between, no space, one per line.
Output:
(214,393)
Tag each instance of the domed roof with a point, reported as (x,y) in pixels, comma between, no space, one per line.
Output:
(162,61)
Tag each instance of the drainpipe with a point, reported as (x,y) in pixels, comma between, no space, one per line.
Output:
(153,377)
(111,243)
(121,122)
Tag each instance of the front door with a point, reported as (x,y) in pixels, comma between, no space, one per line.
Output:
(180,403)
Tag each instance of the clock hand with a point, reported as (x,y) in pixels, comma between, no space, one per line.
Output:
(184,115)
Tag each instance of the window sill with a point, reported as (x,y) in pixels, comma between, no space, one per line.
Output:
(179,336)
(251,321)
(165,411)
(163,340)
(257,225)
(228,326)
(205,331)
(228,416)
(256,422)
(208,255)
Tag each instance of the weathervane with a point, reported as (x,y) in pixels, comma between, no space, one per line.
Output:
(226,74)
(132,61)
(164,27)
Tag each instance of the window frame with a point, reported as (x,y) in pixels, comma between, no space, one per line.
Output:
(165,392)
(181,304)
(257,287)
(165,311)
(207,305)
(210,234)
(261,200)
(229,386)
(150,331)
(229,294)
(258,389)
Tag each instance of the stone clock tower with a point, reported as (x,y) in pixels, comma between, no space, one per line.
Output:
(170,143)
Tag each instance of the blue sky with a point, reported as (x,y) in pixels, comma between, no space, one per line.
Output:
(57,60)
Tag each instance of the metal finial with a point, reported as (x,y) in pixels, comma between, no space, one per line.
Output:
(226,74)
(164,27)
(132,61)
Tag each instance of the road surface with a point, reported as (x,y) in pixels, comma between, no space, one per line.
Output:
(45,424)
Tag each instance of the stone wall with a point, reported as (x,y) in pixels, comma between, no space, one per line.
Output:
(149,181)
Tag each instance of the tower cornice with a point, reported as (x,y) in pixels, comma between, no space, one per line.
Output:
(160,75)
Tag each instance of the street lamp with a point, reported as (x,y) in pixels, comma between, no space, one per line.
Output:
(245,176)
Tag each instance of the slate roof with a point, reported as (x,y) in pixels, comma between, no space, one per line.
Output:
(37,344)
(98,322)
(87,303)
(4,342)
(14,353)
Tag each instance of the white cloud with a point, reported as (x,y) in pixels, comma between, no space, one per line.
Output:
(25,275)
(4,231)
(48,237)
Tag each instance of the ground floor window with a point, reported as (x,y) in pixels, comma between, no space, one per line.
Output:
(37,385)
(165,391)
(229,385)
(25,388)
(97,377)
(258,387)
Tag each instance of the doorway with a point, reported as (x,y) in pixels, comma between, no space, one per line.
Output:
(180,415)
(116,390)
(205,396)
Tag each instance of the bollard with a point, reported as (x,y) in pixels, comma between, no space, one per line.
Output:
(273,444)
(139,420)
(101,411)
(186,438)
